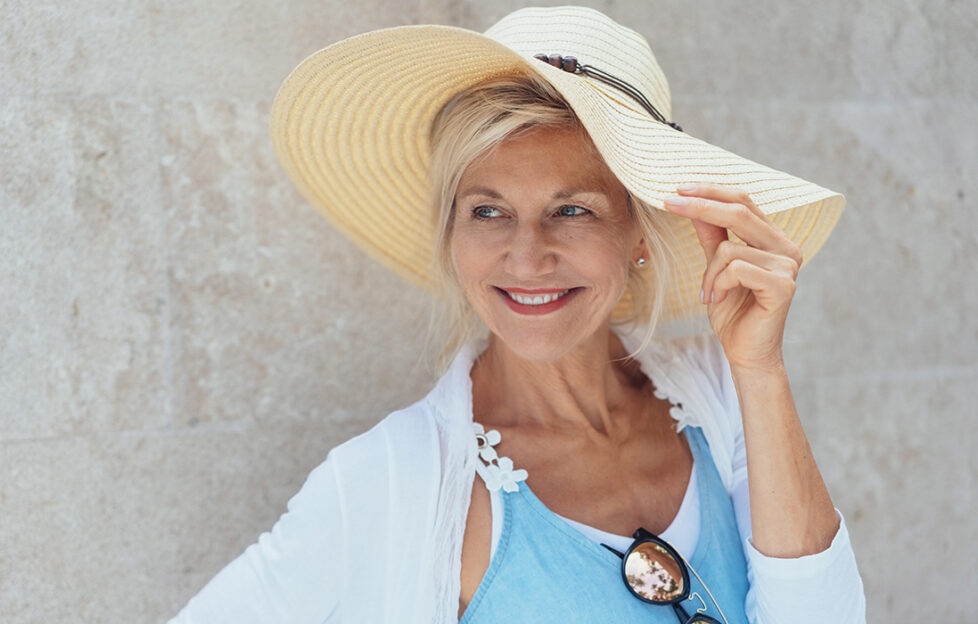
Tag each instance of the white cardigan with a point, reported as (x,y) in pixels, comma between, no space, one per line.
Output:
(375,533)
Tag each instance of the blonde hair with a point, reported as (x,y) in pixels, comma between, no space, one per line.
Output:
(470,126)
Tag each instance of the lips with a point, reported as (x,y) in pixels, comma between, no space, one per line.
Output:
(536,302)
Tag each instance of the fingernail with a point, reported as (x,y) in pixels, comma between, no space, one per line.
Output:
(686,187)
(702,296)
(712,296)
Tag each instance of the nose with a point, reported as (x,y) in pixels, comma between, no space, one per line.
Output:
(531,253)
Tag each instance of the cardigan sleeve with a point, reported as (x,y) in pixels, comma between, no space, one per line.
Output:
(354,544)
(818,588)
(291,574)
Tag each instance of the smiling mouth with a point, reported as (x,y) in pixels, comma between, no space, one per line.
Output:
(527,299)
(537,301)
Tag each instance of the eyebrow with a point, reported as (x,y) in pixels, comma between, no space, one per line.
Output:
(562,194)
(480,190)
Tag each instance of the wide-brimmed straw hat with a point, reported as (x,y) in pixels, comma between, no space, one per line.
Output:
(351,126)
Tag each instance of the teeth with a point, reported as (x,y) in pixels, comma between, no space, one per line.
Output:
(536,299)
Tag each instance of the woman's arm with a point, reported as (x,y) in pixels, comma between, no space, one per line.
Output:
(801,565)
(781,589)
(791,512)
(356,544)
(748,289)
(291,574)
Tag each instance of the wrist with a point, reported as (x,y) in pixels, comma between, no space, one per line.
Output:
(758,372)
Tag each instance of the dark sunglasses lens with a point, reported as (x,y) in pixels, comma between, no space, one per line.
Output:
(653,573)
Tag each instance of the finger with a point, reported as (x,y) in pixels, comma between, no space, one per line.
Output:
(710,237)
(736,217)
(728,251)
(771,290)
(720,193)
(754,229)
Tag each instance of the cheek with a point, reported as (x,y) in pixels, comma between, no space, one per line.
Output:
(607,257)
(616,269)
(469,261)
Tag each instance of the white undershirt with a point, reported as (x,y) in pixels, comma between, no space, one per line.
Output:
(682,533)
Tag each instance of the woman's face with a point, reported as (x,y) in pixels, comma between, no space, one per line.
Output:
(543,241)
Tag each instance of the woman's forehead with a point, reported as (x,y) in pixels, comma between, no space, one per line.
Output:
(561,162)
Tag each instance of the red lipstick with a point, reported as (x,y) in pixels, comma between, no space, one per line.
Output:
(540,308)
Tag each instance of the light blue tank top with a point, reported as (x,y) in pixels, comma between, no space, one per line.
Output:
(545,571)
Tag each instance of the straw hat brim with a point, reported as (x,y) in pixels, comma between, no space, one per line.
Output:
(351,126)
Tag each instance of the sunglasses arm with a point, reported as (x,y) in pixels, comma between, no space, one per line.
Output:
(620,555)
(680,612)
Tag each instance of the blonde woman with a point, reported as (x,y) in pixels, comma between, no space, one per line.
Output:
(570,465)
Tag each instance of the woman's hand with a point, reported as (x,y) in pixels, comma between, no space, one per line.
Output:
(748,287)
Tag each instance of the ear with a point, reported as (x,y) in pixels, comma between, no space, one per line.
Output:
(640,251)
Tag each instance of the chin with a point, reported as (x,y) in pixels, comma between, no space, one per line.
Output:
(535,350)
(540,344)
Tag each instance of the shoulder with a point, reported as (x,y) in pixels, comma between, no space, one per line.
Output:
(706,360)
(382,480)
(410,448)
(403,443)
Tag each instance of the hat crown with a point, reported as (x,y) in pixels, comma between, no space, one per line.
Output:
(593,38)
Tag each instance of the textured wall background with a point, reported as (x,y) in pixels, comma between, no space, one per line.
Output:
(182,339)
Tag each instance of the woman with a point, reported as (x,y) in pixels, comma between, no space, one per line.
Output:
(622,477)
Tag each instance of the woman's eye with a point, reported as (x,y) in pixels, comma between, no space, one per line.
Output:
(572,211)
(485,212)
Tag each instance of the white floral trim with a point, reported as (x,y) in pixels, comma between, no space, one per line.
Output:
(498,471)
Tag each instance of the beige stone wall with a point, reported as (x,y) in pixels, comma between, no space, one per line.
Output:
(182,339)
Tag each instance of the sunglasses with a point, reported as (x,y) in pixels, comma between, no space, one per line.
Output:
(656,573)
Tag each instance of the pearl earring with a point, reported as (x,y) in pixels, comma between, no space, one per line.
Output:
(640,262)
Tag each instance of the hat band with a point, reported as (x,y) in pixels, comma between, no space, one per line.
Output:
(571,65)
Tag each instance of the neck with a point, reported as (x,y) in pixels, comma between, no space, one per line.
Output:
(586,388)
